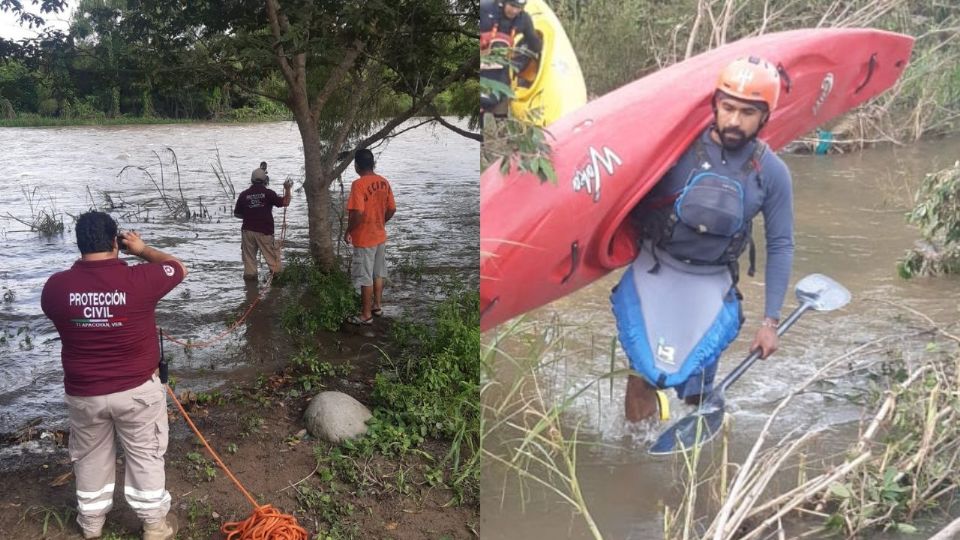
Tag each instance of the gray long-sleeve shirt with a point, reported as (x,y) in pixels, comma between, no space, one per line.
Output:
(773,197)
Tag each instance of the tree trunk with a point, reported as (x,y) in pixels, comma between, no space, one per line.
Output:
(315,184)
(115,102)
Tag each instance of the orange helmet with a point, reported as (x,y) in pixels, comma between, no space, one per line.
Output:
(752,79)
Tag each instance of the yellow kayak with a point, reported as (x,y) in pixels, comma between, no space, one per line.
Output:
(554,86)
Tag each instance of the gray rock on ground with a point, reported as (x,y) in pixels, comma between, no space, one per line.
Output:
(335,417)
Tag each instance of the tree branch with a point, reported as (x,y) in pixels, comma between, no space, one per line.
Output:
(353,108)
(335,78)
(468,67)
(273,15)
(231,76)
(347,155)
(456,129)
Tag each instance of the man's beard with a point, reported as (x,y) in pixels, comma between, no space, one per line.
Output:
(738,141)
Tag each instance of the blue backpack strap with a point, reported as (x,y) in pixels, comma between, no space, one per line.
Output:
(700,152)
(754,164)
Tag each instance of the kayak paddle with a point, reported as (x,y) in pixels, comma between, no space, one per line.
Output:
(815,291)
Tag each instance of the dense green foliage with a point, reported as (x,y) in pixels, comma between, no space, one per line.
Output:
(937,214)
(428,390)
(201,60)
(108,64)
(326,298)
(618,41)
(432,383)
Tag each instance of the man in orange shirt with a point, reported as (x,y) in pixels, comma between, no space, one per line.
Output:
(371,206)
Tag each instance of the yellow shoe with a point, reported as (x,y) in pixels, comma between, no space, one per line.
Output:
(663,405)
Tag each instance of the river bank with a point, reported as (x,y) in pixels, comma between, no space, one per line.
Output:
(65,171)
(256,425)
(613,50)
(248,389)
(34,120)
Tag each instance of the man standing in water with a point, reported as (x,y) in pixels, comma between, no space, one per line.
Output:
(696,222)
(371,206)
(104,313)
(255,207)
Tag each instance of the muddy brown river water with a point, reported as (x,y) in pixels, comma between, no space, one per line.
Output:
(849,225)
(67,170)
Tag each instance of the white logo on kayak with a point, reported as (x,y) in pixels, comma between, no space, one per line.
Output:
(825,88)
(587,178)
(665,353)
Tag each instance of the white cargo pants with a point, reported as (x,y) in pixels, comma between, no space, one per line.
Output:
(138,417)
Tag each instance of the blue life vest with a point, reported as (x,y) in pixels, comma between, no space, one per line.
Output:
(706,222)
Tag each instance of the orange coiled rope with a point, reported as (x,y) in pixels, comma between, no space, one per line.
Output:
(266,522)
(238,322)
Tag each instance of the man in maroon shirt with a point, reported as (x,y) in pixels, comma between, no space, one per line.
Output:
(255,207)
(104,312)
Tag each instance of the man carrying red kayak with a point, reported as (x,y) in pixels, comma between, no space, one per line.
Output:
(678,306)
(504,24)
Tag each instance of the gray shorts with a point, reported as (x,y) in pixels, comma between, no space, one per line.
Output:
(368,263)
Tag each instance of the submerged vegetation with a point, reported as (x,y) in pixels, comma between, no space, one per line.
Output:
(897,472)
(899,469)
(937,214)
(523,423)
(44,219)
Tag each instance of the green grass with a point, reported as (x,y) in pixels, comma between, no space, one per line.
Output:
(428,389)
(50,518)
(328,297)
(201,468)
(329,505)
(311,371)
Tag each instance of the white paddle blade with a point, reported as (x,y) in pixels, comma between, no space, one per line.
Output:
(822,293)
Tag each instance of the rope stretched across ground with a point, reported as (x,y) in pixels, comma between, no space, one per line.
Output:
(266,522)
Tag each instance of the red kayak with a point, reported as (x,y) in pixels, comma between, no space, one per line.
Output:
(539,242)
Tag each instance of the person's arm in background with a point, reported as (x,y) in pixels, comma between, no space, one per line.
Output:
(237,213)
(391,207)
(531,45)
(531,39)
(286,193)
(136,246)
(353,221)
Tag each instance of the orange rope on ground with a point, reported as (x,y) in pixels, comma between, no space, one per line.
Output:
(266,522)
(232,327)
